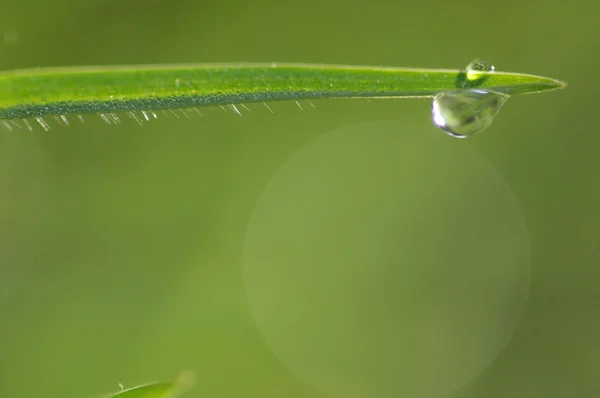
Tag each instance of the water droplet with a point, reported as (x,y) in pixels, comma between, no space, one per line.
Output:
(475,74)
(477,66)
(462,113)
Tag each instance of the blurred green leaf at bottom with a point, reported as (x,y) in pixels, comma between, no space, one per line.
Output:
(157,390)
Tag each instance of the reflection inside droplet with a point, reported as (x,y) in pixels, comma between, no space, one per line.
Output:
(461,113)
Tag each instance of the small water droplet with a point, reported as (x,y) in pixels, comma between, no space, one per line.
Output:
(475,74)
(477,66)
(462,113)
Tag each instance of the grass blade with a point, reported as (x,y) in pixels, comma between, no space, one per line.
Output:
(80,90)
(158,390)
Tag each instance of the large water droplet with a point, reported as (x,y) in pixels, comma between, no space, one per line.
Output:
(461,113)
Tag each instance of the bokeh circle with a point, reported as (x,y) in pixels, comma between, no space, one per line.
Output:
(379,262)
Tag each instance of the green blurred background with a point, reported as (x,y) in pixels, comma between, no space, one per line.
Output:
(346,250)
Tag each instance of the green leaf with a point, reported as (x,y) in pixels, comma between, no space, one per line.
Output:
(158,390)
(79,90)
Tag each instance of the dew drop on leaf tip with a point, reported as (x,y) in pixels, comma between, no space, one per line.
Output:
(467,111)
